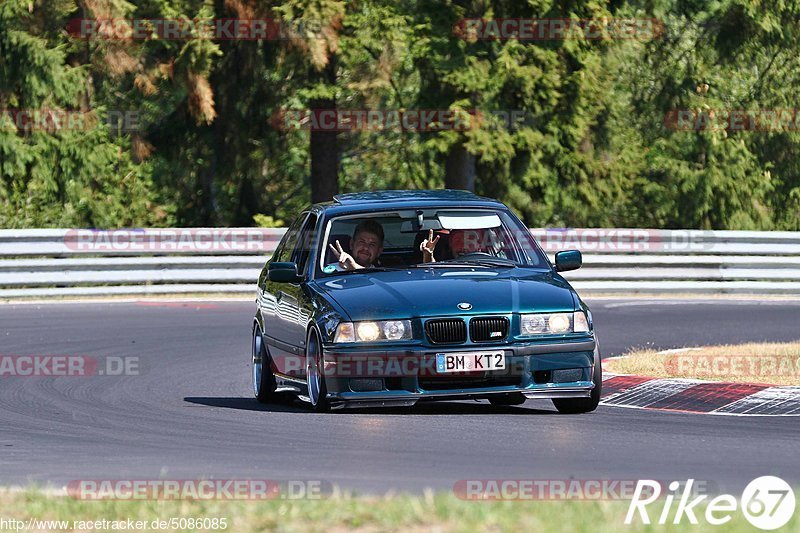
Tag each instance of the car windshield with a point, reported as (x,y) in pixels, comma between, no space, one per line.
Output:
(475,237)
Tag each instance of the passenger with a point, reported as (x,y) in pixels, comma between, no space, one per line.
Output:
(461,242)
(366,245)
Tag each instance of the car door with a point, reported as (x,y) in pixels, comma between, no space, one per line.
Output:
(295,302)
(275,310)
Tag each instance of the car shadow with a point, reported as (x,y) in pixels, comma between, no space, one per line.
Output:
(422,408)
(242,404)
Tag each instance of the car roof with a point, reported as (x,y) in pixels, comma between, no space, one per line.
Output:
(404,199)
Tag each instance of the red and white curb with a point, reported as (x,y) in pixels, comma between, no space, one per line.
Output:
(697,396)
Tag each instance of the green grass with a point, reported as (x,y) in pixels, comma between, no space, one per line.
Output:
(402,512)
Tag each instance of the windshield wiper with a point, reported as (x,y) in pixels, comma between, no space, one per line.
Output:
(368,269)
(483,259)
(486,263)
(494,262)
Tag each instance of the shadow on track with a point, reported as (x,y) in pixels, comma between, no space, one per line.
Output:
(422,408)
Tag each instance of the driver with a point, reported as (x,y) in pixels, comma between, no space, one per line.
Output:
(366,245)
(461,242)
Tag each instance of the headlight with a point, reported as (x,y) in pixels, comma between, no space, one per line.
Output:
(395,329)
(345,332)
(579,323)
(554,323)
(387,330)
(558,323)
(367,331)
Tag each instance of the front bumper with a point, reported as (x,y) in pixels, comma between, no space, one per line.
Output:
(404,376)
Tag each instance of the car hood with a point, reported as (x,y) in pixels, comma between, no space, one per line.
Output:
(438,291)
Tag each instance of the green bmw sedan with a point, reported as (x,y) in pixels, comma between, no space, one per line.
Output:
(397,297)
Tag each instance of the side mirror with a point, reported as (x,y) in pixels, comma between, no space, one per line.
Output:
(283,273)
(568,260)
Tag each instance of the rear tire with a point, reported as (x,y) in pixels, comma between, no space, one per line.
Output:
(574,406)
(512,398)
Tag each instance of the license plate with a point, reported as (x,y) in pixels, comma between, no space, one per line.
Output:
(470,362)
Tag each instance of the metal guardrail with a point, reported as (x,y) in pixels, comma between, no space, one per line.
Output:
(228,260)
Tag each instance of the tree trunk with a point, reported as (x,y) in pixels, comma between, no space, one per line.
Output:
(459,169)
(324,148)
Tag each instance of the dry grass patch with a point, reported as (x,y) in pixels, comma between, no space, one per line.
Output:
(765,362)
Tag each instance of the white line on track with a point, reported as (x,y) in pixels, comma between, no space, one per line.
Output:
(649,303)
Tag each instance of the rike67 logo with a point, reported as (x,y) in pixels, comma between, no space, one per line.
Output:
(767,502)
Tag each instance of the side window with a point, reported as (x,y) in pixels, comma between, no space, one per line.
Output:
(305,244)
(287,244)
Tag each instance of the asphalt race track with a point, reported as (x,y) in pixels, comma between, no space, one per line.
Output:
(190,413)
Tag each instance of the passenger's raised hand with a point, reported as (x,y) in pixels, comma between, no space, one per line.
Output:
(428,246)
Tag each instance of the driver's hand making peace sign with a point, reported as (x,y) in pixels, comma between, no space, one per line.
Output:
(346,260)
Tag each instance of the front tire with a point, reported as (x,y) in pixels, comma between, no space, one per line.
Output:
(574,406)
(315,377)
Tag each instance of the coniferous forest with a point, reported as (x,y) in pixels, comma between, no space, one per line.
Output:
(649,113)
